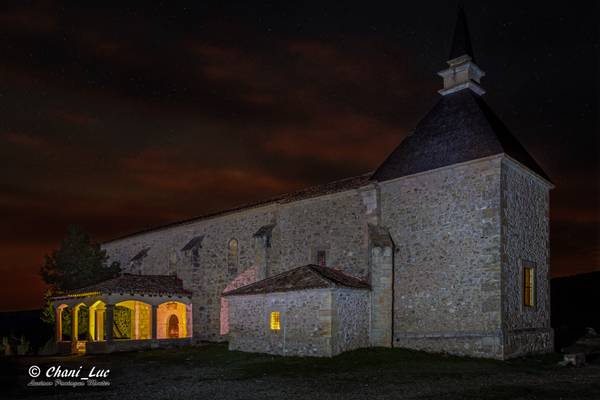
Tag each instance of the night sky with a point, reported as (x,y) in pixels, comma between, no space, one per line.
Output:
(120,119)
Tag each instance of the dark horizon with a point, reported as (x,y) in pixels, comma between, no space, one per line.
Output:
(123,119)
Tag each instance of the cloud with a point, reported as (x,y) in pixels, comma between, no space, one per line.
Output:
(23,139)
(124,123)
(79,119)
(37,18)
(167,170)
(337,138)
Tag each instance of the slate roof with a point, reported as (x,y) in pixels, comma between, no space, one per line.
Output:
(306,277)
(460,127)
(136,284)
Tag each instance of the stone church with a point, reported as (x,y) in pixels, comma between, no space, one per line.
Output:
(443,248)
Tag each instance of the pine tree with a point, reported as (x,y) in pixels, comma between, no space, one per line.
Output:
(78,262)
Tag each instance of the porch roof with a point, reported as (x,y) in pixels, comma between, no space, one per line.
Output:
(161,285)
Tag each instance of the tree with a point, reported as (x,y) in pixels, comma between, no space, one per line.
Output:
(78,262)
(48,310)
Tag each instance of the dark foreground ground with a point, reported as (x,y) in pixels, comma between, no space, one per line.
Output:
(211,372)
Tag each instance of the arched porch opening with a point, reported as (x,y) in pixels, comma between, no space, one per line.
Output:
(132,320)
(172,320)
(97,321)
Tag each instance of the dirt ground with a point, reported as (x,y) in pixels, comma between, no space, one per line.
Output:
(212,372)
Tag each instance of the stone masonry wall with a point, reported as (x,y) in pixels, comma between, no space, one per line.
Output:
(350,320)
(445,225)
(306,323)
(336,223)
(457,232)
(525,238)
(318,322)
(207,277)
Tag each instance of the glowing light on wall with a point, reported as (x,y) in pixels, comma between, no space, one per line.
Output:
(172,320)
(528,287)
(245,278)
(275,321)
(134,324)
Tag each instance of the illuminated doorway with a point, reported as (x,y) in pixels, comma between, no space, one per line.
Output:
(173,327)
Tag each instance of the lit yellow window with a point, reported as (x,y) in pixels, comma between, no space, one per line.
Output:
(528,286)
(275,321)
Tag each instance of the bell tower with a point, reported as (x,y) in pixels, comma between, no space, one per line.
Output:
(462,72)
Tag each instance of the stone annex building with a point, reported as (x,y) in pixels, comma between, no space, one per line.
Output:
(443,248)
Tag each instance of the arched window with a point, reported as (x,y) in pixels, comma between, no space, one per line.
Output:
(173,327)
(232,257)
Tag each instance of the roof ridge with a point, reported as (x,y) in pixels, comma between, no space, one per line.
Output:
(266,279)
(320,270)
(124,279)
(160,275)
(319,279)
(267,201)
(315,269)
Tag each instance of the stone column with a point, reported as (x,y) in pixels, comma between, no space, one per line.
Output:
(382,275)
(109,322)
(74,330)
(91,324)
(136,320)
(58,324)
(189,329)
(154,320)
(99,324)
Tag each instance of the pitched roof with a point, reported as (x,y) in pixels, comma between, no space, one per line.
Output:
(306,277)
(141,254)
(306,193)
(461,41)
(138,284)
(196,241)
(264,230)
(460,127)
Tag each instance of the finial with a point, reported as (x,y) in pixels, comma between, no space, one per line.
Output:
(461,42)
(463,72)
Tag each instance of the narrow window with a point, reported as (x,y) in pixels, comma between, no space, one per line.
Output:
(528,286)
(321,258)
(232,257)
(275,321)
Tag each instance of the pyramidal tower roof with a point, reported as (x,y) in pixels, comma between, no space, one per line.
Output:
(460,127)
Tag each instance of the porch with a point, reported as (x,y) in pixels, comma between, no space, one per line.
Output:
(130,312)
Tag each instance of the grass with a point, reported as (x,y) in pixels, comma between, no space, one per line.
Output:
(212,370)
(366,362)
